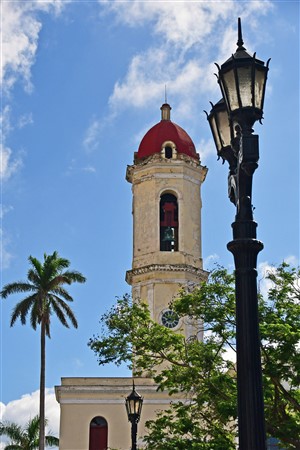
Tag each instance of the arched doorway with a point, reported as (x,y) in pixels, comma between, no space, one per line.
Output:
(98,434)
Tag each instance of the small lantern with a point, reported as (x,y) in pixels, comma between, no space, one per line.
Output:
(220,126)
(242,79)
(134,403)
(222,131)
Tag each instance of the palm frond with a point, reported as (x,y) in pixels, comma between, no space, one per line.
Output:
(49,269)
(74,276)
(54,265)
(66,308)
(52,441)
(59,313)
(27,437)
(61,292)
(35,316)
(57,281)
(32,428)
(11,430)
(34,277)
(61,263)
(36,264)
(13,447)
(21,309)
(16,288)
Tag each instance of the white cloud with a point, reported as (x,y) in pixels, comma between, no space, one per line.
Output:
(89,169)
(4,210)
(20,29)
(265,268)
(210,260)
(5,255)
(91,138)
(183,24)
(75,168)
(148,74)
(8,164)
(264,284)
(230,354)
(21,410)
(178,26)
(24,120)
(206,149)
(20,33)
(78,363)
(142,84)
(292,260)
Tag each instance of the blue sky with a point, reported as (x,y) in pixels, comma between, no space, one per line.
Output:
(82,83)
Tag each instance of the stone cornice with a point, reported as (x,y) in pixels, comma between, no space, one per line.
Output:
(200,273)
(157,160)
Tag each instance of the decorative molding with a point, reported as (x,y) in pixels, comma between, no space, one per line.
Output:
(200,273)
(72,401)
(172,176)
(157,160)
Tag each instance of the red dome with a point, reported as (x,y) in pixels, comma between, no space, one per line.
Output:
(164,131)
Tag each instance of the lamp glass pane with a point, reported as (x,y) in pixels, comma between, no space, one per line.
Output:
(224,128)
(136,406)
(245,82)
(259,88)
(230,90)
(132,406)
(214,129)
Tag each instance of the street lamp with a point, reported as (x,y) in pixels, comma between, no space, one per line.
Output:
(133,403)
(242,79)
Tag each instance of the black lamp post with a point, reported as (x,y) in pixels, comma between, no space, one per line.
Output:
(134,403)
(242,79)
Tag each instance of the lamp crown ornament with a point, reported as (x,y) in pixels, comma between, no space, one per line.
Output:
(240,41)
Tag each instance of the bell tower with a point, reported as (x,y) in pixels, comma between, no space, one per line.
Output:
(166,179)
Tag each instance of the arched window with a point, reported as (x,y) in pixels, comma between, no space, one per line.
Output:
(168,152)
(168,223)
(98,434)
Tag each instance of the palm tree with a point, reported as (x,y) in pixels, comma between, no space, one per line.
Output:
(47,296)
(26,438)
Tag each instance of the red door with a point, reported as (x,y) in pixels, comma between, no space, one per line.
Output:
(98,434)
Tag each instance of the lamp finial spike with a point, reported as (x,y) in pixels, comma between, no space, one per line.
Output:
(166,101)
(240,41)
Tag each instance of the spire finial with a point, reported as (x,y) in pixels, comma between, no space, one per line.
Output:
(166,100)
(240,41)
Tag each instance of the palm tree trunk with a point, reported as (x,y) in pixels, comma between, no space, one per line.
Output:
(42,387)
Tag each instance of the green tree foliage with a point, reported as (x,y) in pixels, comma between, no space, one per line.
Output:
(199,370)
(25,438)
(47,297)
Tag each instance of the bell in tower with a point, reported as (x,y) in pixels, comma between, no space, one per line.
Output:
(168,223)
